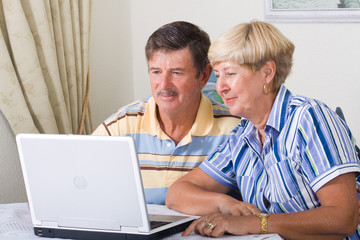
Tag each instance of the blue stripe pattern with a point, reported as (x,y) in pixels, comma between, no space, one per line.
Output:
(153,145)
(306,146)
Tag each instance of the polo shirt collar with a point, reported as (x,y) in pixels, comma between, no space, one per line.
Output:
(150,124)
(204,118)
(201,127)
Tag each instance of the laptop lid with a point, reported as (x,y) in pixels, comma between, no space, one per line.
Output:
(83,182)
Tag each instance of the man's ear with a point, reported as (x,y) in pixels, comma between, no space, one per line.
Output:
(269,71)
(205,75)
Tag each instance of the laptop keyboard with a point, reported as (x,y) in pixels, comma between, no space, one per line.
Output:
(156,224)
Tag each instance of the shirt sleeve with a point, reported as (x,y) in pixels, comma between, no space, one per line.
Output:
(327,146)
(219,166)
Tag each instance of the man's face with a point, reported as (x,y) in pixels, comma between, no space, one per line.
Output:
(174,85)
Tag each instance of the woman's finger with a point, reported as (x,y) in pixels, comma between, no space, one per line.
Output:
(194,226)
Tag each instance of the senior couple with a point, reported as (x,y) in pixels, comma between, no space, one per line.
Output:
(292,159)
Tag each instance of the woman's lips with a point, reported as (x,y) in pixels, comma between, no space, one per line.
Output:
(229,100)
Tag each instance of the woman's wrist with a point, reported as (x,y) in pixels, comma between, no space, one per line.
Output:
(251,223)
(222,202)
(254,224)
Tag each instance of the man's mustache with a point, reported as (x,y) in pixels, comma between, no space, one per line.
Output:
(167,92)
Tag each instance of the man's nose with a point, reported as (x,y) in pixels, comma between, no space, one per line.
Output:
(165,81)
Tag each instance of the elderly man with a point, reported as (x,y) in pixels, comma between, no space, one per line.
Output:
(178,125)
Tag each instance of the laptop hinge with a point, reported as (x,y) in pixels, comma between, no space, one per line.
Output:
(89,223)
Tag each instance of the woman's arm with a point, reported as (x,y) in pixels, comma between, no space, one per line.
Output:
(336,218)
(197,193)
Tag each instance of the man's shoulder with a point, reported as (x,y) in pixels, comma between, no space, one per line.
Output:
(124,120)
(134,109)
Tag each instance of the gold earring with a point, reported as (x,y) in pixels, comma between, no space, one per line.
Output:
(266,89)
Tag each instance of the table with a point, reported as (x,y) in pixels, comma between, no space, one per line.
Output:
(15,224)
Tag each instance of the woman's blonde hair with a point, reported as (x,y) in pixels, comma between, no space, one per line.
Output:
(253,44)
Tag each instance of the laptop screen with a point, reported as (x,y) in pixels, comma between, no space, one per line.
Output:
(83,181)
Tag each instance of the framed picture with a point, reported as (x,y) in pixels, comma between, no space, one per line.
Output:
(312,10)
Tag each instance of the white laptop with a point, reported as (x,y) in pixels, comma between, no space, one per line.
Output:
(88,187)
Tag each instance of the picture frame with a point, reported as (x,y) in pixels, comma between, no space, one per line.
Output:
(323,11)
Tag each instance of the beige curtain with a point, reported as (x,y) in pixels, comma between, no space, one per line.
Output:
(44,61)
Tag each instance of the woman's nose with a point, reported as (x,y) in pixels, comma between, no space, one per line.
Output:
(221,85)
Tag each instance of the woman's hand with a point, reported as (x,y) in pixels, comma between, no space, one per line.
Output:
(231,206)
(217,224)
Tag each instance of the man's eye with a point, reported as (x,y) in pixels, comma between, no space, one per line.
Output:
(230,73)
(217,75)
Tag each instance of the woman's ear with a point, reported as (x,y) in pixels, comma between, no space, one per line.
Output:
(269,71)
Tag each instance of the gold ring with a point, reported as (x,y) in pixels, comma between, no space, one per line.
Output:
(209,225)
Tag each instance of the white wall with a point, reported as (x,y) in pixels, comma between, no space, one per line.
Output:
(326,58)
(111,83)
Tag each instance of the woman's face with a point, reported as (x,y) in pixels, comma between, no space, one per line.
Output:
(240,88)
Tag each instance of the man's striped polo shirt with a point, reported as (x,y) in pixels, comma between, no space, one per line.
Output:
(161,161)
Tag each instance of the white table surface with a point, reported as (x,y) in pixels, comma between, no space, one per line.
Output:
(15,224)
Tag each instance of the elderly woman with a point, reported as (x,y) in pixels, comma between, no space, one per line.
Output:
(291,157)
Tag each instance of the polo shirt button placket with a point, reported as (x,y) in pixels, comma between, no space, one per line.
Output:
(171,162)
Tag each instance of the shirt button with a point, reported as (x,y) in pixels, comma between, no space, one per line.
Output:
(168,144)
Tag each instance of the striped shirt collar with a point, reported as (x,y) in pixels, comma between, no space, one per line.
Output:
(201,127)
(279,111)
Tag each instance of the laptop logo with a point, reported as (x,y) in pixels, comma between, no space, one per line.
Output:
(80,182)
